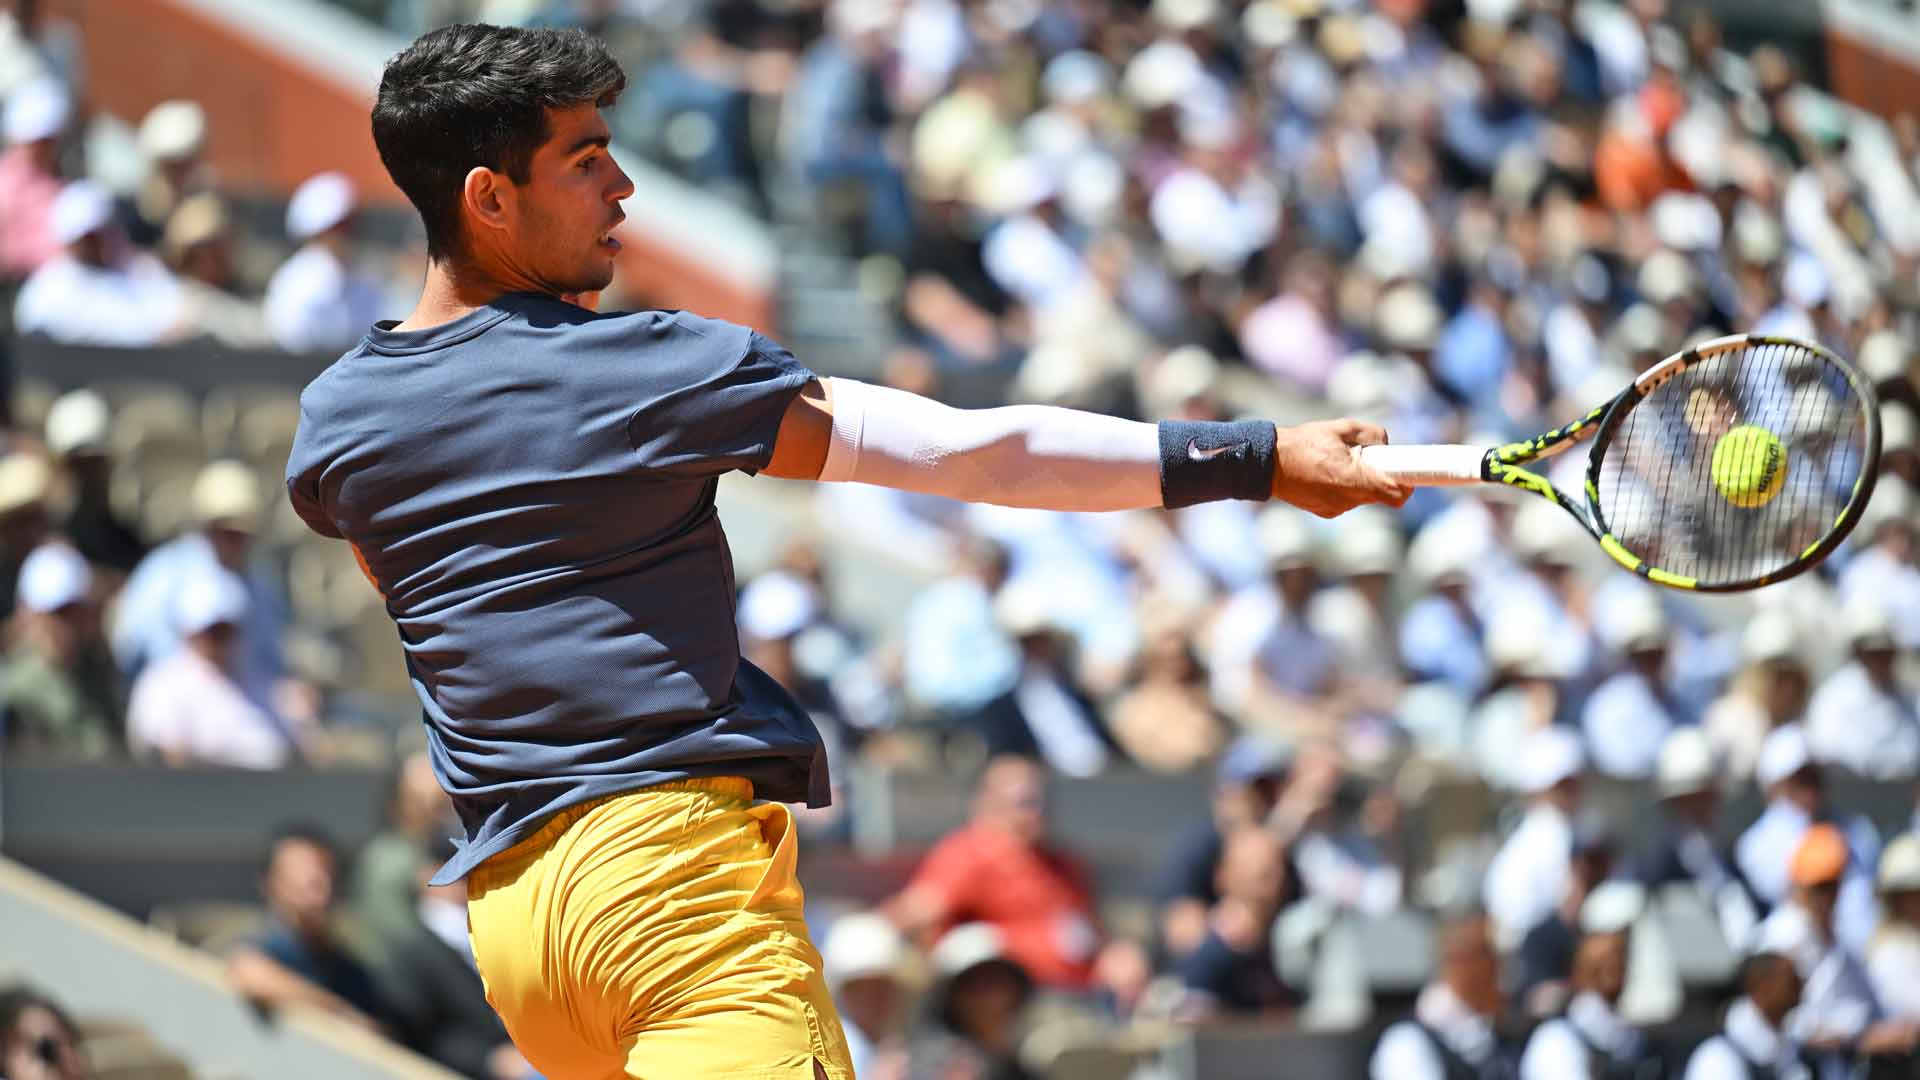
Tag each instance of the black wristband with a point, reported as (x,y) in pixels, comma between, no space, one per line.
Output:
(1204,461)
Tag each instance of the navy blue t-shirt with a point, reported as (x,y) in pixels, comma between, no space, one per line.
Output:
(531,488)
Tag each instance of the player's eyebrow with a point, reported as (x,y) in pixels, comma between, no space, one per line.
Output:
(596,141)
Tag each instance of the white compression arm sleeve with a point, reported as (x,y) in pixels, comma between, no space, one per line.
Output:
(1019,455)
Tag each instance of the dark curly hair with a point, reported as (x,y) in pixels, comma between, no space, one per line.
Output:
(470,95)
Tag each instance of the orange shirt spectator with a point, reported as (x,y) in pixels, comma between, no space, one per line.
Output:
(998,869)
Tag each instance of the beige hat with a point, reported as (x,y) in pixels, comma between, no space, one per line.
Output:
(226,492)
(77,422)
(1865,621)
(1686,763)
(1636,622)
(862,945)
(173,130)
(1612,907)
(1900,864)
(1783,753)
(1770,635)
(24,481)
(1285,537)
(1408,317)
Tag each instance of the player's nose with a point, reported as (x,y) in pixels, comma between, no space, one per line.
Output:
(622,188)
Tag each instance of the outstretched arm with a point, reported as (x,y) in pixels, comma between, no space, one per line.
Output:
(1064,459)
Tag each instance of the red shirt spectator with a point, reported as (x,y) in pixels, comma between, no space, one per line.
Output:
(998,869)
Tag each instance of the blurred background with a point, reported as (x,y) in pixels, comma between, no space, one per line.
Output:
(1223,792)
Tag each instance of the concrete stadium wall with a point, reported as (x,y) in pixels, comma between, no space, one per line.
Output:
(96,962)
(287,85)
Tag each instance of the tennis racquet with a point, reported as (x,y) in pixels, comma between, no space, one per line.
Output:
(1734,464)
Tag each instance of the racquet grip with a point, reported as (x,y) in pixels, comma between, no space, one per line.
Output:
(1426,466)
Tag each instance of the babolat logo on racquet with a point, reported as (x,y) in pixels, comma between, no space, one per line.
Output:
(1734,464)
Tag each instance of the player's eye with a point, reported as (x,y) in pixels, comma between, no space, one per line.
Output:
(586,163)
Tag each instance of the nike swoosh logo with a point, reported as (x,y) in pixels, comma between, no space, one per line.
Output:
(1194,453)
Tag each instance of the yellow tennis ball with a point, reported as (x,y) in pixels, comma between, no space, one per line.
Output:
(1749,465)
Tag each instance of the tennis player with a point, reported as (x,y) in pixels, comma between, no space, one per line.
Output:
(530,484)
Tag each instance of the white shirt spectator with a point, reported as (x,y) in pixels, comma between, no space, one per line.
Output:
(1893,968)
(1869,729)
(1765,849)
(1031,261)
(1836,997)
(1875,575)
(1746,1043)
(1559,1047)
(1625,723)
(1529,874)
(186,706)
(1407,1053)
(1200,220)
(315,303)
(1398,229)
(134,304)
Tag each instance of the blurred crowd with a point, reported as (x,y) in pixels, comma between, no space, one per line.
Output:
(1466,220)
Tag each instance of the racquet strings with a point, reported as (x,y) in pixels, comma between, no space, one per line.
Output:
(1657,492)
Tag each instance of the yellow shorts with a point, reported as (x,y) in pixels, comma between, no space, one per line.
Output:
(657,934)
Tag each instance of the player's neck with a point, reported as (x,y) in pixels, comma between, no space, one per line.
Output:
(453,291)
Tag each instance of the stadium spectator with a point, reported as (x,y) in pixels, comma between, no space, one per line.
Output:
(1000,869)
(1684,850)
(78,425)
(1753,1041)
(1797,801)
(1527,691)
(975,1008)
(1530,872)
(776,609)
(34,120)
(1591,1038)
(1046,715)
(1543,964)
(226,508)
(865,963)
(38,1041)
(1769,691)
(1233,970)
(1865,716)
(1893,953)
(98,290)
(317,301)
(295,960)
(1839,1019)
(1454,1028)
(173,138)
(386,872)
(1630,714)
(197,245)
(191,707)
(58,688)
(1166,721)
(956,656)
(1247,785)
(429,984)
(24,487)
(837,115)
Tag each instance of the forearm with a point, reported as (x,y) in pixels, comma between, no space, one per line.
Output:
(1034,456)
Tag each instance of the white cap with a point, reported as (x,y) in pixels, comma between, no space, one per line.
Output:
(1408,318)
(1770,636)
(777,605)
(1186,372)
(1665,275)
(1613,906)
(1900,864)
(862,945)
(1866,621)
(1783,753)
(1898,428)
(1161,74)
(1686,763)
(1016,185)
(1547,757)
(1075,76)
(1520,641)
(78,421)
(173,130)
(1183,15)
(1541,530)
(52,577)
(226,492)
(1023,609)
(81,207)
(36,110)
(1285,538)
(1884,355)
(319,204)
(1637,622)
(1365,544)
(967,946)
(1806,281)
(1268,24)
(24,481)
(209,599)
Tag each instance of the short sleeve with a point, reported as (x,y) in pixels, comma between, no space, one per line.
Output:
(726,410)
(303,488)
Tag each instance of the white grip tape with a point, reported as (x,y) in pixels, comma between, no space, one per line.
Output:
(1425,466)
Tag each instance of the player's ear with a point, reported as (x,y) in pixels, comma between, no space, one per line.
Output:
(486,197)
